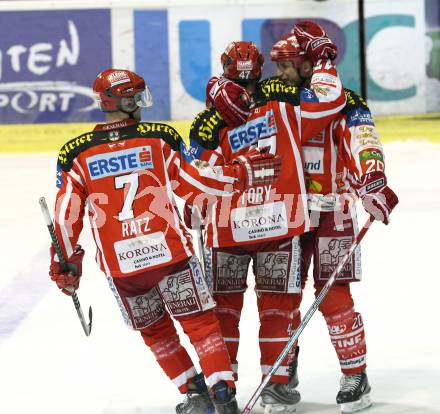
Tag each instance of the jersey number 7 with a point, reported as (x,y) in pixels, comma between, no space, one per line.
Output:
(132,180)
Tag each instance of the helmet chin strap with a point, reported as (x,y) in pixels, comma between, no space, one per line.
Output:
(129,113)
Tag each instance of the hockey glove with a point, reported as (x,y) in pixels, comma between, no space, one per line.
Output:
(67,281)
(258,167)
(377,198)
(314,41)
(231,100)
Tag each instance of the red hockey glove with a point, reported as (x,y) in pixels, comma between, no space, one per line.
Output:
(259,167)
(314,41)
(377,198)
(231,100)
(67,281)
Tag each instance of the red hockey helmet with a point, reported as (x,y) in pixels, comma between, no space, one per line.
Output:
(121,90)
(288,49)
(242,62)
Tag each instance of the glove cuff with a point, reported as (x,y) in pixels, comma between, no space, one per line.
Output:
(372,183)
(247,170)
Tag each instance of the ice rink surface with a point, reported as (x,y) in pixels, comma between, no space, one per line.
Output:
(48,366)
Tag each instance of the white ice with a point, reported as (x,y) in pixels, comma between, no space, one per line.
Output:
(48,366)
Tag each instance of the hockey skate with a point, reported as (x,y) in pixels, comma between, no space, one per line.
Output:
(224,399)
(354,394)
(282,398)
(197,400)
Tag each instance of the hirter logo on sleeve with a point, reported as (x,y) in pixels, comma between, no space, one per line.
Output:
(119,162)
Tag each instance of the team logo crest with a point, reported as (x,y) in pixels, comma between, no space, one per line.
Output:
(113,135)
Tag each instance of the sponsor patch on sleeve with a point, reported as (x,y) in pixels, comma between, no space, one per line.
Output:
(308,95)
(359,116)
(371,154)
(59,178)
(193,152)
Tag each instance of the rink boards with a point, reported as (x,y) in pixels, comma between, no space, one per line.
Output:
(50,137)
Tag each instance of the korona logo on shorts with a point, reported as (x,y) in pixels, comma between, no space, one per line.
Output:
(114,163)
(247,134)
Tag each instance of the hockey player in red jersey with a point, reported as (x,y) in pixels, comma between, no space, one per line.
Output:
(344,158)
(127,172)
(262,224)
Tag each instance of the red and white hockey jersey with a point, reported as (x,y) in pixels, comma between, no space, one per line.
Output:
(340,154)
(126,173)
(283,118)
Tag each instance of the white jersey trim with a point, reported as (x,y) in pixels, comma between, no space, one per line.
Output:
(80,169)
(109,277)
(321,114)
(214,225)
(298,162)
(215,174)
(176,217)
(62,216)
(198,184)
(76,177)
(333,160)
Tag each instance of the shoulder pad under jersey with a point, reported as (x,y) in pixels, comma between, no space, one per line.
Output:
(354,101)
(206,127)
(75,146)
(273,89)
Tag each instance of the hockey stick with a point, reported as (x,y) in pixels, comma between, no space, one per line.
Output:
(200,238)
(248,407)
(201,244)
(87,327)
